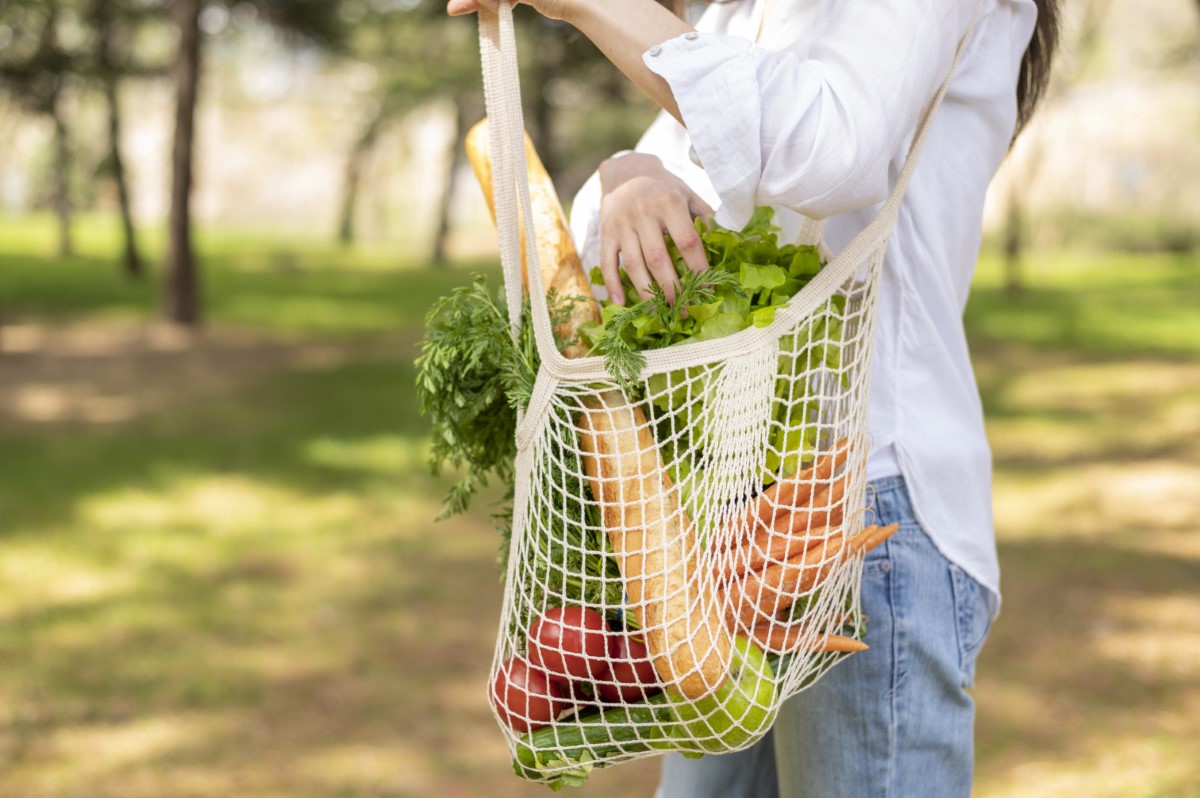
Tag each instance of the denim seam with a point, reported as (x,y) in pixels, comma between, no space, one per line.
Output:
(966,595)
(893,731)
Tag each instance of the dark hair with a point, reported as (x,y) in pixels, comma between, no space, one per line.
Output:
(1035,64)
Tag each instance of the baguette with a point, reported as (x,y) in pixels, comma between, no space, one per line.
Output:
(562,270)
(676,606)
(674,599)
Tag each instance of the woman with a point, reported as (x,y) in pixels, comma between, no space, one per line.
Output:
(809,106)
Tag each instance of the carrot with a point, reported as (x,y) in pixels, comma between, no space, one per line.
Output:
(778,548)
(869,538)
(826,509)
(781,639)
(765,593)
(771,591)
(795,490)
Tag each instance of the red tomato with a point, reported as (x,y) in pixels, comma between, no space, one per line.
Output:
(570,643)
(632,675)
(525,697)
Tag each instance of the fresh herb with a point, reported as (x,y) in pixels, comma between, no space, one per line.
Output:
(655,323)
(751,276)
(473,377)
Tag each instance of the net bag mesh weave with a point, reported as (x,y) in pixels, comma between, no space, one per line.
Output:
(658,596)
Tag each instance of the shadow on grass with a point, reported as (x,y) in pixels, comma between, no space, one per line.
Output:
(1062,677)
(1053,410)
(270,605)
(264,434)
(266,562)
(303,668)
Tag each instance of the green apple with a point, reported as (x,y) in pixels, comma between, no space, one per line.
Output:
(740,711)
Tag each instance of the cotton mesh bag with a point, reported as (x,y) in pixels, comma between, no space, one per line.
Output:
(687,540)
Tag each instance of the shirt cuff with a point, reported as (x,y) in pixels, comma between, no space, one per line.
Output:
(715,84)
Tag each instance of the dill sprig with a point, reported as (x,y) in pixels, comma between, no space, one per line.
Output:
(623,353)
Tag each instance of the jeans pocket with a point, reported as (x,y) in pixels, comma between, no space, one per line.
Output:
(973,618)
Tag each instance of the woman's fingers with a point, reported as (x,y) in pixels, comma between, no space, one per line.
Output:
(635,264)
(456,8)
(634,215)
(687,240)
(552,9)
(637,244)
(698,207)
(658,261)
(610,267)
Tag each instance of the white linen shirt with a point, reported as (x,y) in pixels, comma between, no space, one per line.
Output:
(811,110)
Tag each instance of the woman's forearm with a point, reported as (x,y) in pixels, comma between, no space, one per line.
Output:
(624,30)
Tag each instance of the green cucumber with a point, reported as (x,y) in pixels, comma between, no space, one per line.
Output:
(565,753)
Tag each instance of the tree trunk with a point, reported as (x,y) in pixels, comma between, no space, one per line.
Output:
(182,291)
(1015,224)
(132,259)
(442,233)
(62,172)
(353,174)
(103,21)
(1014,243)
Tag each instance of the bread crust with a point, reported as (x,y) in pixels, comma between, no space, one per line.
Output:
(673,597)
(561,269)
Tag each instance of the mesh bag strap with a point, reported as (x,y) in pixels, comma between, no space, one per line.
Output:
(502,93)
(811,232)
(506,142)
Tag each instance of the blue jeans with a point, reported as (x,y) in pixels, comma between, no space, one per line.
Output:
(892,722)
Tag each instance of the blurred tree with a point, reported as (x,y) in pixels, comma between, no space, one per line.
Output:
(1078,54)
(182,291)
(36,65)
(317,21)
(109,22)
(579,108)
(421,56)
(33,68)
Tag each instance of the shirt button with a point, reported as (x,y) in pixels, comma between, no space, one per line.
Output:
(885,566)
(694,157)
(691,36)
(655,50)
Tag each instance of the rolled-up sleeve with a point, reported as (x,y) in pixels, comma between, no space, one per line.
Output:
(813,134)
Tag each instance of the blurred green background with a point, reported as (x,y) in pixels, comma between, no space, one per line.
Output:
(219,573)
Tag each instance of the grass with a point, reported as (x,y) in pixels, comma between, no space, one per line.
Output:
(1096,303)
(269,283)
(218,573)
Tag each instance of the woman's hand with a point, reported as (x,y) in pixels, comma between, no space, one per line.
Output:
(552,9)
(640,201)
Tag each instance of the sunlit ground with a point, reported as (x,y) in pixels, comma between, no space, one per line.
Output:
(219,574)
